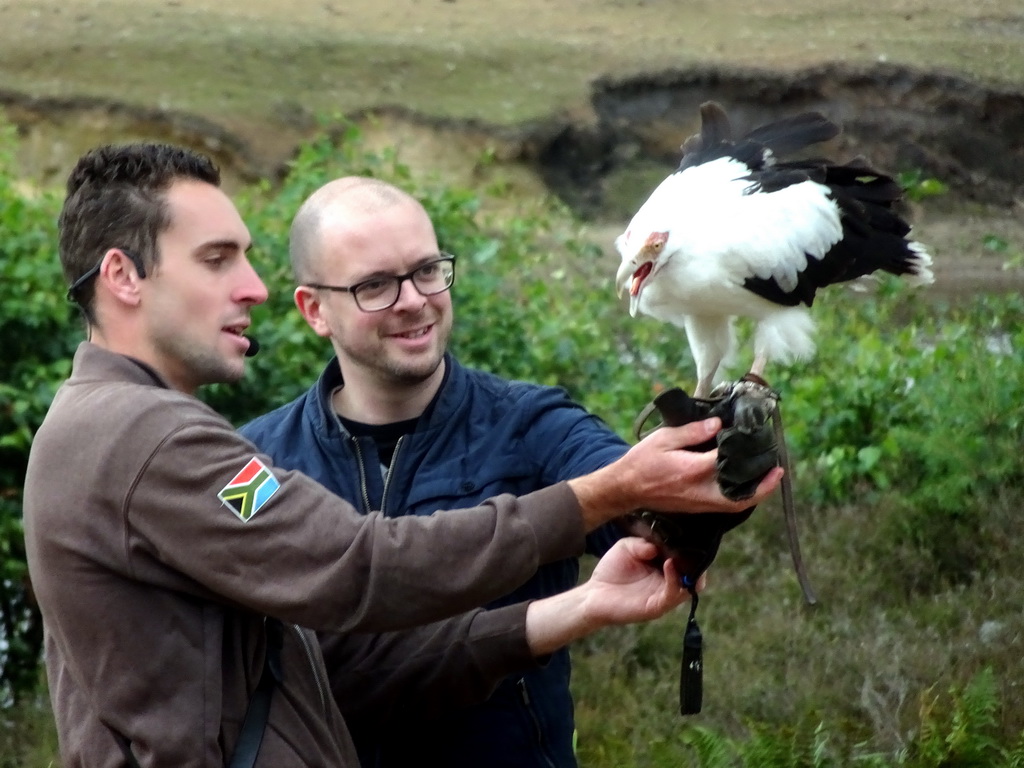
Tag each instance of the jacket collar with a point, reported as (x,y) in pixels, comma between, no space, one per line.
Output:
(444,404)
(93,362)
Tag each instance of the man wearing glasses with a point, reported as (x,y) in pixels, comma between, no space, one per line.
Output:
(379,293)
(395,423)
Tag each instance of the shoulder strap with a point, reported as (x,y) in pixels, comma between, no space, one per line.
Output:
(251,736)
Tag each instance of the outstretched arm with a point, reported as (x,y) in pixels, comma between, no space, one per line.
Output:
(458,662)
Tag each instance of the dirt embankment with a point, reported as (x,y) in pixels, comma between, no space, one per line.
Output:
(601,158)
(971,137)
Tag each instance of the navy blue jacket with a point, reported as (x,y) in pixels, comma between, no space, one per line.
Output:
(482,436)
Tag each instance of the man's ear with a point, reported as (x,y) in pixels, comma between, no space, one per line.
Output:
(120,277)
(308,301)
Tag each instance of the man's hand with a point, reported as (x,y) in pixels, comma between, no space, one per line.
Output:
(657,474)
(624,589)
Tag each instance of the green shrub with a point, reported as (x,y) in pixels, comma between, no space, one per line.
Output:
(28,738)
(905,432)
(37,334)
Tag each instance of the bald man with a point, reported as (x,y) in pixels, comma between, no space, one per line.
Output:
(396,424)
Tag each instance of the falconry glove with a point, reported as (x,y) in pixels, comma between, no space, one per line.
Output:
(749,446)
(747,451)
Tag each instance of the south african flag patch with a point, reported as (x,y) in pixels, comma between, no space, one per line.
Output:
(249,490)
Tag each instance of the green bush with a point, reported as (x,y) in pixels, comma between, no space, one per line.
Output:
(905,432)
(37,334)
(924,410)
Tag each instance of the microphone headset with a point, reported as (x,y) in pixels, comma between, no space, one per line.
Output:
(254,346)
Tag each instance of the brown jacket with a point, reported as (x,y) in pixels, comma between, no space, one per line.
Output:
(156,545)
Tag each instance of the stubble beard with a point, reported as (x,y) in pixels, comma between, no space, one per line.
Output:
(203,366)
(401,372)
(409,375)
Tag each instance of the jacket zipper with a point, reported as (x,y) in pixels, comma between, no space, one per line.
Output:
(389,473)
(362,474)
(524,694)
(312,665)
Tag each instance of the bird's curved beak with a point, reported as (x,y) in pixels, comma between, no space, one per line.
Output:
(635,277)
(623,276)
(624,282)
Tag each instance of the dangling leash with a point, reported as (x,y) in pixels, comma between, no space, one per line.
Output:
(789,511)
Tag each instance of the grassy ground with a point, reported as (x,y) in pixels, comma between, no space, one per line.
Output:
(257,65)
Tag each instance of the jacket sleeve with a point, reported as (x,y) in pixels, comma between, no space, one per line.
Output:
(570,442)
(435,667)
(205,514)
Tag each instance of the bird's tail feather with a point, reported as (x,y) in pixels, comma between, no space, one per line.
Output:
(874,231)
(919,264)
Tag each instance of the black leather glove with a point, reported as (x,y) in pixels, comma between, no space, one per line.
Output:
(747,448)
(747,451)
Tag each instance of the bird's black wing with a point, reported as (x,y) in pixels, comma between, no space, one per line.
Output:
(758,148)
(873,231)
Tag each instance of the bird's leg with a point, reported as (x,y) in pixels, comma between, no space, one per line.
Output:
(703,388)
(758,366)
(710,340)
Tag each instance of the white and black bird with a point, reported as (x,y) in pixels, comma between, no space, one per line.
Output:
(736,231)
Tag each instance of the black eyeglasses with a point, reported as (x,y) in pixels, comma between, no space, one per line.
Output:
(380,293)
(89,274)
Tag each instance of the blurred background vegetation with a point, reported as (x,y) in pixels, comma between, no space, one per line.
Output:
(906,432)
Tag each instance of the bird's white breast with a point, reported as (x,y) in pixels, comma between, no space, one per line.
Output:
(720,236)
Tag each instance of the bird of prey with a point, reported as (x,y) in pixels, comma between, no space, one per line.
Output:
(738,231)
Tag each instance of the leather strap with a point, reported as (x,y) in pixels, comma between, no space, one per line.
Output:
(247,748)
(789,511)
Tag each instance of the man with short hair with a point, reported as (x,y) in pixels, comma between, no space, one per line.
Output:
(175,567)
(396,425)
